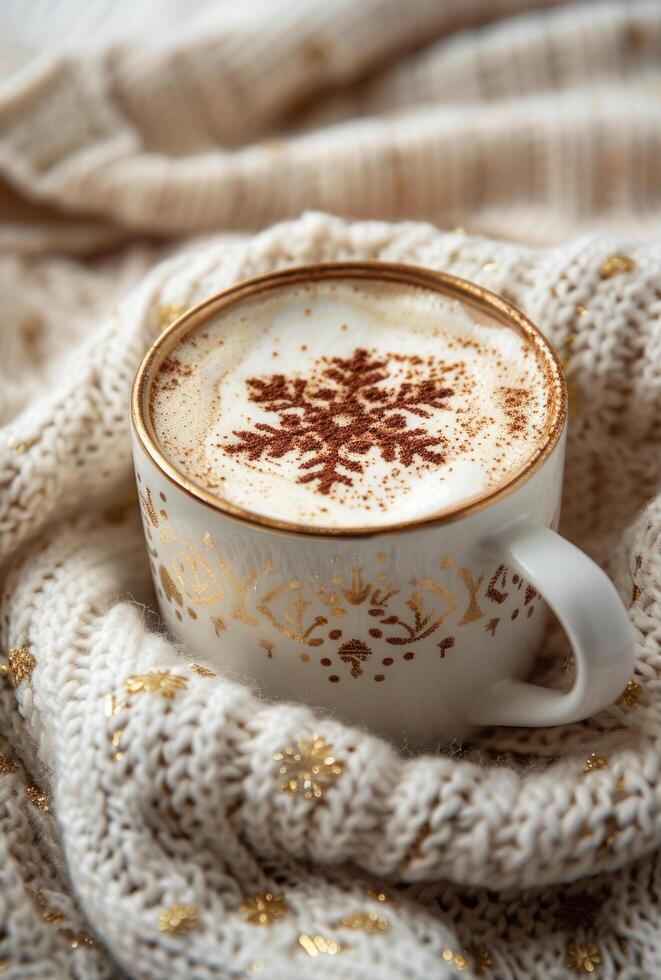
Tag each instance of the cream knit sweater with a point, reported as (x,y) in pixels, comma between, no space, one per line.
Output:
(143,825)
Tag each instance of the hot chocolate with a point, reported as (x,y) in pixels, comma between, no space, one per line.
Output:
(345,403)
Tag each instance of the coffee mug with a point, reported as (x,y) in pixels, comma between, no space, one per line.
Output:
(419,631)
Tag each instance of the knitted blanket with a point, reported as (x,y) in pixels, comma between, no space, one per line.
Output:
(154,818)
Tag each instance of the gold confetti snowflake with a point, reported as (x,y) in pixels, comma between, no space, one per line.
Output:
(308,766)
(21,663)
(595,762)
(582,957)
(368,922)
(317,945)
(460,960)
(264,909)
(630,696)
(177,918)
(39,798)
(202,671)
(156,682)
(615,264)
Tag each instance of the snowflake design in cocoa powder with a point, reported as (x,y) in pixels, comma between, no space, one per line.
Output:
(340,416)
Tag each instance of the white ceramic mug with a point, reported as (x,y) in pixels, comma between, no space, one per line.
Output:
(420,631)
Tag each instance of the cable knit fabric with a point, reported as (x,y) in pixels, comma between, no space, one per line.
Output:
(143,826)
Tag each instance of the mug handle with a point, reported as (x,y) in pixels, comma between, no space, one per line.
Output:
(591,614)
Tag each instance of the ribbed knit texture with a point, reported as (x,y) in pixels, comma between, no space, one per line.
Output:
(131,800)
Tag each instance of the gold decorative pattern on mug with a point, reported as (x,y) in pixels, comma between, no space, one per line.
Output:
(311,611)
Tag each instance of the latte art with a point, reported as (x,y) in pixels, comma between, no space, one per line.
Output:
(342,403)
(333,418)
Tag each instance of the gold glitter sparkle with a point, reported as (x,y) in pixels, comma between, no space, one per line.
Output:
(368,922)
(615,264)
(308,766)
(582,957)
(39,798)
(595,762)
(318,946)
(202,671)
(379,896)
(612,830)
(459,960)
(630,696)
(177,918)
(21,663)
(116,739)
(76,939)
(482,960)
(7,765)
(23,446)
(48,913)
(168,313)
(264,909)
(113,705)
(156,682)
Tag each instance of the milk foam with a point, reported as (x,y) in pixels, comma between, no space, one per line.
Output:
(350,404)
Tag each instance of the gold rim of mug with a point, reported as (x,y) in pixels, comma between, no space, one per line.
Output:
(441,282)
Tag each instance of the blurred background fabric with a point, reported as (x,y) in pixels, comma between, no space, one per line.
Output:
(151,154)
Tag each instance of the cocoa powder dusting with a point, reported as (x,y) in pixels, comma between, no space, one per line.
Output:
(342,412)
(172,365)
(515,403)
